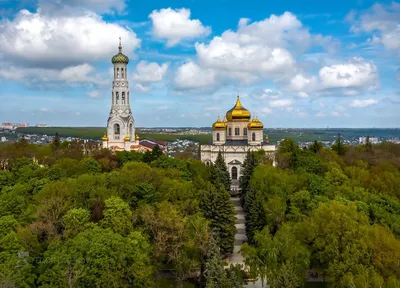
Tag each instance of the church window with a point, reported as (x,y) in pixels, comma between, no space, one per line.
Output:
(234,173)
(117,98)
(116,129)
(131,130)
(123,97)
(217,136)
(245,131)
(122,72)
(253,137)
(127,99)
(230,131)
(118,75)
(237,131)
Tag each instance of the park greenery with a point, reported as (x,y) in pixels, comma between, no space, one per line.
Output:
(72,215)
(326,214)
(82,217)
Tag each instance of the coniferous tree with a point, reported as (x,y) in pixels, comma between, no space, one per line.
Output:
(247,169)
(316,146)
(339,147)
(368,145)
(214,272)
(255,219)
(222,170)
(217,207)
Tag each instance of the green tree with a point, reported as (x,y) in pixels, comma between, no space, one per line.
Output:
(339,147)
(98,258)
(255,218)
(247,169)
(217,207)
(75,221)
(117,216)
(56,144)
(222,171)
(215,274)
(316,147)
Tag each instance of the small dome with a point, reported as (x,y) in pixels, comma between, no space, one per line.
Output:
(105,138)
(127,138)
(219,125)
(120,58)
(137,137)
(238,113)
(255,124)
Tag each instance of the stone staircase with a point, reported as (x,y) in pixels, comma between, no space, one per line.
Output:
(240,236)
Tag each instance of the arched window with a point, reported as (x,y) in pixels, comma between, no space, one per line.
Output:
(230,131)
(253,136)
(234,173)
(117,97)
(131,130)
(217,136)
(237,131)
(123,97)
(127,99)
(118,75)
(245,131)
(122,72)
(116,129)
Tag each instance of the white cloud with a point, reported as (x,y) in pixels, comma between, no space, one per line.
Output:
(354,73)
(44,110)
(255,51)
(93,94)
(383,21)
(280,103)
(60,41)
(150,72)
(262,94)
(84,73)
(176,25)
(191,76)
(162,108)
(139,88)
(320,114)
(301,114)
(363,103)
(335,113)
(266,110)
(211,108)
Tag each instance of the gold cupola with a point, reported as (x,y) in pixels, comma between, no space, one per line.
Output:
(105,138)
(127,138)
(255,124)
(137,137)
(219,125)
(238,113)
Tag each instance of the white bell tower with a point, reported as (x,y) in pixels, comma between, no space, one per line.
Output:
(120,124)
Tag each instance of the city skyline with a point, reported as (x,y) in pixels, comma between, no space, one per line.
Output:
(293,64)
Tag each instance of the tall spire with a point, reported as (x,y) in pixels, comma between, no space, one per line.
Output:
(120,46)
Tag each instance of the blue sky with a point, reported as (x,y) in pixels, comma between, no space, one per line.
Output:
(294,63)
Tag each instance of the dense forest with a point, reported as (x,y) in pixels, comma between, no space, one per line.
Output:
(332,215)
(73,217)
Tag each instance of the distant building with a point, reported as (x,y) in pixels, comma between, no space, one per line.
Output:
(3,139)
(41,125)
(234,137)
(12,126)
(372,140)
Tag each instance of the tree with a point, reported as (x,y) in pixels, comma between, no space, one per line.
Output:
(339,147)
(247,169)
(98,258)
(214,271)
(255,218)
(222,171)
(56,144)
(117,216)
(316,146)
(217,207)
(75,221)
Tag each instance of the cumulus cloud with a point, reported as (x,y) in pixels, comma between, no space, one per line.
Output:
(363,103)
(176,25)
(139,88)
(162,108)
(191,76)
(263,94)
(34,39)
(351,78)
(283,103)
(320,114)
(93,94)
(150,72)
(383,21)
(256,51)
(83,73)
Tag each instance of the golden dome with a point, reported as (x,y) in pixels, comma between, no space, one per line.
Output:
(137,137)
(238,113)
(219,125)
(255,124)
(127,138)
(105,138)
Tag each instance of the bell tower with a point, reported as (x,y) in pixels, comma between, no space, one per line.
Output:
(120,124)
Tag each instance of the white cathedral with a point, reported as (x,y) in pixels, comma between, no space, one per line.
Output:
(234,137)
(120,125)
